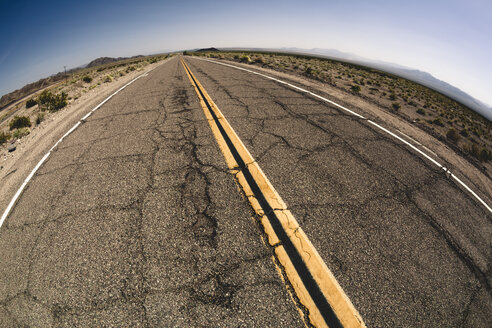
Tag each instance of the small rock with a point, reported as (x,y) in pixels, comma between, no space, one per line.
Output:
(11,148)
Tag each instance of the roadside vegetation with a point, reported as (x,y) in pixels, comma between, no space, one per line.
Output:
(461,128)
(17,120)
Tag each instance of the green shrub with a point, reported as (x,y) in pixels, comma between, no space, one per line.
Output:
(453,135)
(395,106)
(392,96)
(130,68)
(22,132)
(464,133)
(19,122)
(108,79)
(51,102)
(421,111)
(87,79)
(245,59)
(355,88)
(31,102)
(4,137)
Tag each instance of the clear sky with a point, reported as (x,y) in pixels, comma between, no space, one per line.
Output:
(451,39)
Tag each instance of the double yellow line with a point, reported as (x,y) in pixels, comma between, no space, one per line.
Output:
(315,286)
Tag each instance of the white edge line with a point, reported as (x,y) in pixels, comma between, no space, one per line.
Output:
(362,117)
(45,157)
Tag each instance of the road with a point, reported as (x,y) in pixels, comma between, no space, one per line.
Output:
(134,220)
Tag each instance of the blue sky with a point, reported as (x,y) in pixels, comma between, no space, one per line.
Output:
(450,39)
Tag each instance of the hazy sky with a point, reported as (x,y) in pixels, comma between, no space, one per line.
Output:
(451,39)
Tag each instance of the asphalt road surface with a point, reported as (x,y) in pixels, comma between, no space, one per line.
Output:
(135,221)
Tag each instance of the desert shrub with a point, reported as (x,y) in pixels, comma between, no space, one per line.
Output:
(51,102)
(122,73)
(19,122)
(482,154)
(453,135)
(437,121)
(31,102)
(130,68)
(395,106)
(245,59)
(355,88)
(392,96)
(260,60)
(4,137)
(464,133)
(421,111)
(108,79)
(485,155)
(39,118)
(22,132)
(59,101)
(87,79)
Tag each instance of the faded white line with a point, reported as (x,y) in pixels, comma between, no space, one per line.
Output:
(29,177)
(362,117)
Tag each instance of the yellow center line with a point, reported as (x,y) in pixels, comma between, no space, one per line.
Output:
(314,284)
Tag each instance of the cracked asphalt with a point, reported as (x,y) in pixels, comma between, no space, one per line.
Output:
(135,221)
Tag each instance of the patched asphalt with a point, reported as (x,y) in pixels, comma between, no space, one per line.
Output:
(135,221)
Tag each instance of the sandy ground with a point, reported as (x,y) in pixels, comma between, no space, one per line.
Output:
(467,172)
(15,166)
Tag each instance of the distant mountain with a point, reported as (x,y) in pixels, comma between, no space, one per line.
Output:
(415,75)
(212,49)
(106,60)
(103,60)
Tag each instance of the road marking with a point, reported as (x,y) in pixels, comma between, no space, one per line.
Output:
(45,157)
(474,194)
(313,283)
